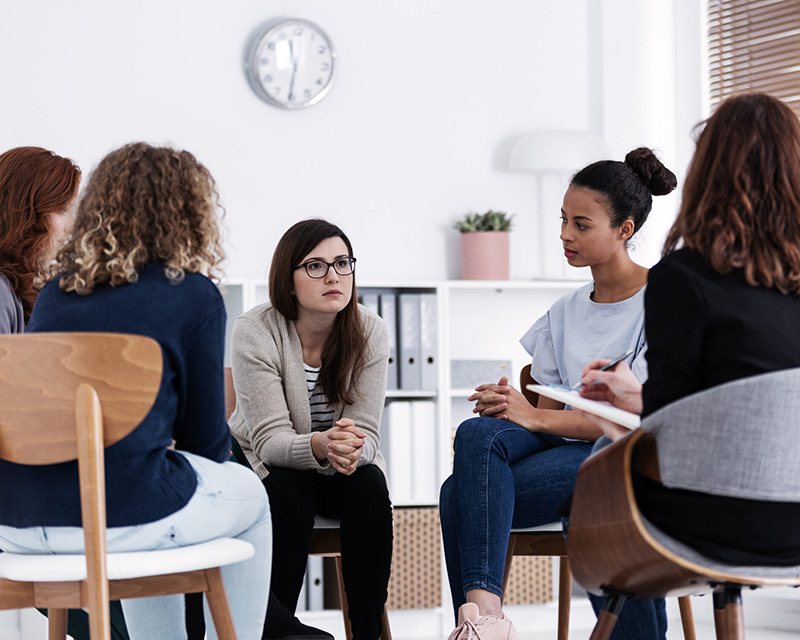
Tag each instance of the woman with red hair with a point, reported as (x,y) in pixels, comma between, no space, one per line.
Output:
(37,190)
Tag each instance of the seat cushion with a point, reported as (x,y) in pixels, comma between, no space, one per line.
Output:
(121,566)
(687,553)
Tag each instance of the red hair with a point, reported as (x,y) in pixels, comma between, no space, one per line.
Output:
(33,183)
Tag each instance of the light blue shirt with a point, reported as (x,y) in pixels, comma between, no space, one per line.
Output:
(577,330)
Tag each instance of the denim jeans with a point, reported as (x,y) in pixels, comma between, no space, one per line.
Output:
(229,501)
(639,619)
(504,476)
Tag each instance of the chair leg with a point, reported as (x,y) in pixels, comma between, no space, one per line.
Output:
(687,617)
(348,631)
(512,541)
(728,617)
(218,604)
(564,597)
(57,624)
(386,632)
(608,616)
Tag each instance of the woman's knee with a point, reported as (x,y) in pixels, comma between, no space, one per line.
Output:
(475,435)
(291,493)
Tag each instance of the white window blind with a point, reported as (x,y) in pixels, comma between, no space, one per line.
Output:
(754,46)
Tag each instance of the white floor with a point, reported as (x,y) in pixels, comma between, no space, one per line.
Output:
(769,615)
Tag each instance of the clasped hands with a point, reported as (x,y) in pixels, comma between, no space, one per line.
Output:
(342,445)
(499,401)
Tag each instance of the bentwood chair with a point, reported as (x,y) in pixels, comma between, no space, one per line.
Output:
(325,538)
(732,440)
(548,540)
(66,396)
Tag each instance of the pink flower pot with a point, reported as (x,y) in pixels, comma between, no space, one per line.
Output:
(484,255)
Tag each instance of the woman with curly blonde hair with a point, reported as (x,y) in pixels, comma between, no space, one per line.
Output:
(144,243)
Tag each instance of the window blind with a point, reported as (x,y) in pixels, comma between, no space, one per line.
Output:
(754,46)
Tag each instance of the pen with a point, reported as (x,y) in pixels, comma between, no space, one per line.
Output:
(606,367)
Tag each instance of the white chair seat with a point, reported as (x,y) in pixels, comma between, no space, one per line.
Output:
(122,566)
(550,527)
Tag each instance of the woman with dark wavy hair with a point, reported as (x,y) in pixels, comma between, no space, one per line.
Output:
(310,375)
(140,258)
(37,190)
(723,304)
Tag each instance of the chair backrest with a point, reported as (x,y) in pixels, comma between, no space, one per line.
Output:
(39,377)
(68,395)
(737,439)
(524,380)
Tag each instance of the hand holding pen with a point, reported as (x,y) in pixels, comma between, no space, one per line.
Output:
(612,382)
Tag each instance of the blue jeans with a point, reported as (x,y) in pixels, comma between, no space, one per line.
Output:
(504,476)
(639,619)
(229,501)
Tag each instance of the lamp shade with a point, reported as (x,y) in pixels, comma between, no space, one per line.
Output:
(556,151)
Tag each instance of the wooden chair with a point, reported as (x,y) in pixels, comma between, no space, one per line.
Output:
(548,540)
(616,551)
(67,396)
(325,538)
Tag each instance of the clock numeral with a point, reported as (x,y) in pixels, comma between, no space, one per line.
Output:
(306,93)
(267,79)
(298,31)
(319,81)
(324,66)
(277,91)
(321,50)
(263,61)
(271,46)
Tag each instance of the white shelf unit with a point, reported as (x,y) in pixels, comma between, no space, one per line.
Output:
(477,320)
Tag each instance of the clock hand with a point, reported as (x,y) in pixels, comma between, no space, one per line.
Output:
(294,69)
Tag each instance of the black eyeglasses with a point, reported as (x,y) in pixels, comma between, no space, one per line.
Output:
(319,268)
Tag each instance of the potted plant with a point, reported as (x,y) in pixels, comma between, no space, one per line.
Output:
(484,245)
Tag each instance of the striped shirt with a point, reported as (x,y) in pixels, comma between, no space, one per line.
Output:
(321,411)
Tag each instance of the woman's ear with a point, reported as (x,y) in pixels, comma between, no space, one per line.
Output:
(626,229)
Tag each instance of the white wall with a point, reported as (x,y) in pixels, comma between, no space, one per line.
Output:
(415,132)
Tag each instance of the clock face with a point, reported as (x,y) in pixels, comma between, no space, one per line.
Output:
(293,64)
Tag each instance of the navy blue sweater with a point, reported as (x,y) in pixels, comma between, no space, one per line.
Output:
(145,481)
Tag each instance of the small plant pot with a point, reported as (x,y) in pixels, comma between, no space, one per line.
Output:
(484,255)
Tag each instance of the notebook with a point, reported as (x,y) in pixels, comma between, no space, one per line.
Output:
(602,409)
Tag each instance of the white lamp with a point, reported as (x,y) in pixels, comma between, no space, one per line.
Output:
(554,156)
(560,151)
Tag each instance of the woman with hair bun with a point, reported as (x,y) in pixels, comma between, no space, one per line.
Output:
(516,463)
(37,191)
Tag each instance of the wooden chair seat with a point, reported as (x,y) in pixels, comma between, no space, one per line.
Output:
(615,551)
(67,396)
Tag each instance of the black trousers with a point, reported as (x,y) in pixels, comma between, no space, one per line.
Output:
(361,502)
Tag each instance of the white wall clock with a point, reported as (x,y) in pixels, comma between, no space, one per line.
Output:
(292,64)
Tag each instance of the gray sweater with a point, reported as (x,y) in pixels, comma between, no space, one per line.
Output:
(272,418)
(12,317)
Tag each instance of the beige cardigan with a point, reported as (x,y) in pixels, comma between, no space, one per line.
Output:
(272,418)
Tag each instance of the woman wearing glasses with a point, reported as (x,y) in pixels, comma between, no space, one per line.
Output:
(309,370)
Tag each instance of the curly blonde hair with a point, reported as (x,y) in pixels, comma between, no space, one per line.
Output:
(142,204)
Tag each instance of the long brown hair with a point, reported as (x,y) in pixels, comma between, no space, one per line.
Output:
(741,197)
(33,183)
(344,352)
(142,204)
